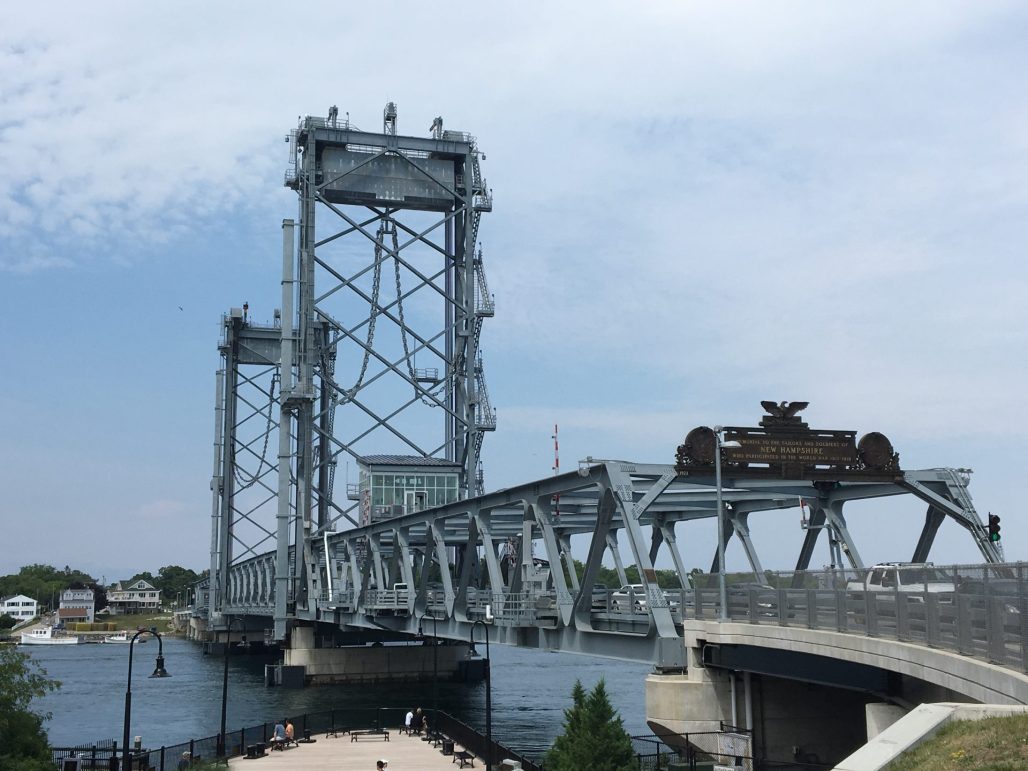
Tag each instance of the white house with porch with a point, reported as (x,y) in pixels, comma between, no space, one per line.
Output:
(139,597)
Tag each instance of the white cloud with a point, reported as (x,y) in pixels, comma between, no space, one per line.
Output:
(698,205)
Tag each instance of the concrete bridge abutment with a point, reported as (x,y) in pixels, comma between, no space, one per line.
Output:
(808,696)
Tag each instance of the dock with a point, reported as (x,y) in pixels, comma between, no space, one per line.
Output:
(404,753)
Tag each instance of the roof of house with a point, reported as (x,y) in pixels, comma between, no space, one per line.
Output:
(406,460)
(142,585)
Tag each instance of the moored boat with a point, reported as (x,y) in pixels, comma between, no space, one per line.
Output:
(45,635)
(122,638)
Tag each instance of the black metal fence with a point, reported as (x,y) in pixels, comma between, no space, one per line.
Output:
(107,755)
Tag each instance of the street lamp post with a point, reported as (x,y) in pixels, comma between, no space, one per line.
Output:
(435,669)
(723,589)
(224,682)
(159,671)
(488,693)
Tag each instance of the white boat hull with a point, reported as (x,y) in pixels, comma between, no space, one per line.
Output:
(47,639)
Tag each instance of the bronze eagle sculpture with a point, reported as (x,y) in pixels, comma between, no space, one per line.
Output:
(783,409)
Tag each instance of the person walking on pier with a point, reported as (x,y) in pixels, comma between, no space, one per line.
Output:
(407,721)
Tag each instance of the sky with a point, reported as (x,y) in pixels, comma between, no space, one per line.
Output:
(698,206)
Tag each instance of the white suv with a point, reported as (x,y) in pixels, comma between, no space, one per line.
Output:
(630,597)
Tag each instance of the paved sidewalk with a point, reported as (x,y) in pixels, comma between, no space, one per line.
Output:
(404,753)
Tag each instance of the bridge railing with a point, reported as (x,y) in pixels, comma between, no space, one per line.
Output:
(974,610)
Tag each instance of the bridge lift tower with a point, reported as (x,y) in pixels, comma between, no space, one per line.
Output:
(375,348)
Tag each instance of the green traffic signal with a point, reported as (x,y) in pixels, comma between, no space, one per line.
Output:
(994,535)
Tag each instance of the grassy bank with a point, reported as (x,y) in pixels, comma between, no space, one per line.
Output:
(994,744)
(131,623)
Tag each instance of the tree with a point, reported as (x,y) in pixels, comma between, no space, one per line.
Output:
(23,740)
(146,575)
(43,583)
(594,735)
(7,621)
(173,581)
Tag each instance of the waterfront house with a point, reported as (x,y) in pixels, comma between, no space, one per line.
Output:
(77,605)
(19,606)
(139,597)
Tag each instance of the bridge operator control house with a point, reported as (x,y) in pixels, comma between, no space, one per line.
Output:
(393,485)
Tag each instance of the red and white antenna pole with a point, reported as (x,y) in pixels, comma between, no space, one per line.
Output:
(556,469)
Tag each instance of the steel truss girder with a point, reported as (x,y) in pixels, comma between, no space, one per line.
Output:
(623,496)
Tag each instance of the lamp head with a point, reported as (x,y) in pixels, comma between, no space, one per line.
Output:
(160,671)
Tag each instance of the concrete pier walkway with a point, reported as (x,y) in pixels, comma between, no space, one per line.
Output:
(404,753)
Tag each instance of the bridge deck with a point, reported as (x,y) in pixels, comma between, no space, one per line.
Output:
(332,753)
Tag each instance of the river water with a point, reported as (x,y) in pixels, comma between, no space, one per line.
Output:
(530,690)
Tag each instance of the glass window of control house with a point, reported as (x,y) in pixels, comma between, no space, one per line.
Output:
(391,489)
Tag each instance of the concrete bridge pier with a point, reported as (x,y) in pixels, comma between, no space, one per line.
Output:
(319,663)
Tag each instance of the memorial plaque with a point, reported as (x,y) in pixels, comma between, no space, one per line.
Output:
(783,447)
(814,448)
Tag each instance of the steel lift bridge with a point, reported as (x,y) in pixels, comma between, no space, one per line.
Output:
(375,351)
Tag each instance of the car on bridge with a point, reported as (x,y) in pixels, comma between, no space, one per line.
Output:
(906,578)
(630,598)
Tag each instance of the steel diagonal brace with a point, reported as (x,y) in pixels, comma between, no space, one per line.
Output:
(439,541)
(541,512)
(666,529)
(615,552)
(568,559)
(489,547)
(362,164)
(460,602)
(344,282)
(425,241)
(383,310)
(814,528)
(741,525)
(604,518)
(516,573)
(376,560)
(620,479)
(402,535)
(347,231)
(967,519)
(441,184)
(834,515)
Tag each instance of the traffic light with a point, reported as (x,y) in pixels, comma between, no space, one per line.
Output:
(994,535)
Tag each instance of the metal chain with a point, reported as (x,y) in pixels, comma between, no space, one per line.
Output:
(375,309)
(239,475)
(399,307)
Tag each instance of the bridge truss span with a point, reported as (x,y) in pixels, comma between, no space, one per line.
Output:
(506,557)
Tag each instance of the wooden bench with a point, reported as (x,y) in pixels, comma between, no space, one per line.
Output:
(465,758)
(375,733)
